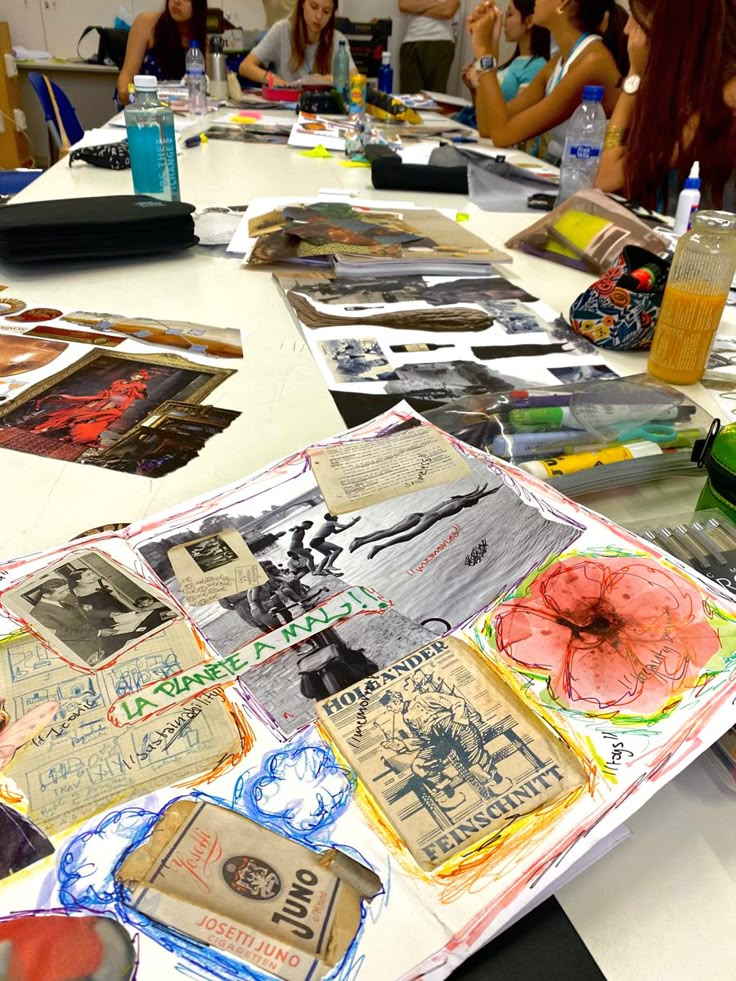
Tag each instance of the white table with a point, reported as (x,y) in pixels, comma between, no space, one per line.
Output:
(658,907)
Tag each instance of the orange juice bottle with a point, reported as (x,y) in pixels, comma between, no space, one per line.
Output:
(693,302)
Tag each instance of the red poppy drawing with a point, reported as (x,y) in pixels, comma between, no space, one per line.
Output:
(610,632)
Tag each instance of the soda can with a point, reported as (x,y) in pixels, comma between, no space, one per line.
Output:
(358,85)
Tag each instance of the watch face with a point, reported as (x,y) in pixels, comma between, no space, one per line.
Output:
(631,84)
(486,62)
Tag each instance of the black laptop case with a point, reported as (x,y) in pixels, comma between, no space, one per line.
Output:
(98,227)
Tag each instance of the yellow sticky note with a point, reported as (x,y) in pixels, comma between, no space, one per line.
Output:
(355,163)
(318,153)
(462,216)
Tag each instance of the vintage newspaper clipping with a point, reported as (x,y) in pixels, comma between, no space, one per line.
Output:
(356,474)
(450,753)
(232,884)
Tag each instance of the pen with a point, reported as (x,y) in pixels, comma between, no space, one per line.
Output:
(195,140)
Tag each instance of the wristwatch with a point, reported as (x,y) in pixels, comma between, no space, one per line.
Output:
(485,63)
(630,84)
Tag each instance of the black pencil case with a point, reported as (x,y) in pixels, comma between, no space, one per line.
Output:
(98,227)
(390,173)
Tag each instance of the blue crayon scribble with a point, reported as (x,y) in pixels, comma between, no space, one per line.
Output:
(299,791)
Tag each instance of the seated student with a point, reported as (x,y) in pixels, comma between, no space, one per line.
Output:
(158,42)
(677,105)
(305,44)
(546,105)
(529,58)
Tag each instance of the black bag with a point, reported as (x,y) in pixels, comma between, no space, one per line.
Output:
(109,156)
(111,47)
(99,227)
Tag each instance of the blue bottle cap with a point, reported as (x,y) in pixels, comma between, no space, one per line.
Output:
(193,44)
(593,93)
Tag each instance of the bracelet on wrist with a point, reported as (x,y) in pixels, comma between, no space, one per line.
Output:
(615,136)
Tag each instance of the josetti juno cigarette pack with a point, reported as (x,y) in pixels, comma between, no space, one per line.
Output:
(213,875)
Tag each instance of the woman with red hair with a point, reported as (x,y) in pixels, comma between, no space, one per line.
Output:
(677,103)
(303,44)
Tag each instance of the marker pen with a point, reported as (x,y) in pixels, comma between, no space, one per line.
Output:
(684,535)
(575,462)
(713,548)
(602,415)
(534,444)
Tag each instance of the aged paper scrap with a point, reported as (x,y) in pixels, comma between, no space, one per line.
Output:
(215,565)
(356,474)
(82,762)
(232,884)
(450,754)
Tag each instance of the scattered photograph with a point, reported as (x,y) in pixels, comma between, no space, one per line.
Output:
(407,289)
(97,400)
(211,553)
(356,359)
(443,381)
(583,372)
(87,610)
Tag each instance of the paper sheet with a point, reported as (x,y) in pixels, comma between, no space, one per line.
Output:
(353,475)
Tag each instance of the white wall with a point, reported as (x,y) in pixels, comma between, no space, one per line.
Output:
(55,25)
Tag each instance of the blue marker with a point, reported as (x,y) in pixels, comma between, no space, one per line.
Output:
(518,445)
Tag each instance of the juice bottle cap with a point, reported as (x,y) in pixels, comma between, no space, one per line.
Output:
(145,82)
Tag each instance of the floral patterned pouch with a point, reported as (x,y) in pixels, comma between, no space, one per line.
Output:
(617,312)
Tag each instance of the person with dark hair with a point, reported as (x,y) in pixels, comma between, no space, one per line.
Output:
(330,526)
(59,611)
(545,106)
(530,54)
(302,44)
(677,104)
(158,42)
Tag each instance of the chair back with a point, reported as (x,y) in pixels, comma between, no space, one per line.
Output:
(67,112)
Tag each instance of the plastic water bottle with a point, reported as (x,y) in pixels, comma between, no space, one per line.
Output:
(341,72)
(386,74)
(152,142)
(582,154)
(196,79)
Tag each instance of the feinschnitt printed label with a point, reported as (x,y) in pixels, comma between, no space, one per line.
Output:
(448,751)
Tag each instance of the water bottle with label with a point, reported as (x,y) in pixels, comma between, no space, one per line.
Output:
(152,142)
(583,144)
(386,74)
(196,79)
(341,72)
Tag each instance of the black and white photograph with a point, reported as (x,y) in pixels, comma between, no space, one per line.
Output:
(407,289)
(356,359)
(583,372)
(443,381)
(438,555)
(87,610)
(211,553)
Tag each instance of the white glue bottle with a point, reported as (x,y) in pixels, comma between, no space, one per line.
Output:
(688,201)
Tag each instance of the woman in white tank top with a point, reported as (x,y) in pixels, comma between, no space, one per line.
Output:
(547,103)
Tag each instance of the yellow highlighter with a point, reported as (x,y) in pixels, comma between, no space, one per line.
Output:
(574,462)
